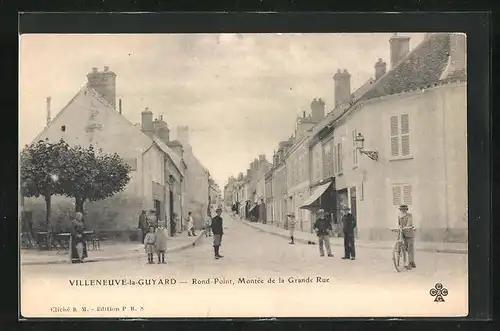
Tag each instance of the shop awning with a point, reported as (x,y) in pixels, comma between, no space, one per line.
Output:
(315,195)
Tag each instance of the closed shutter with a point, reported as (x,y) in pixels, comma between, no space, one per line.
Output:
(407,196)
(340,157)
(394,136)
(396,195)
(354,149)
(334,158)
(405,135)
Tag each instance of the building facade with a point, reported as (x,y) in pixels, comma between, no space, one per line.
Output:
(157,171)
(420,102)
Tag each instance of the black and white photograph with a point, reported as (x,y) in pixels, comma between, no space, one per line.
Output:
(236,175)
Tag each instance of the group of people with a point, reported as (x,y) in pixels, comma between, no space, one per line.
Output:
(155,239)
(146,220)
(323,228)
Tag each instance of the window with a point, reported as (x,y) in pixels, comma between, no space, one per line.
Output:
(401,194)
(355,151)
(338,158)
(400,135)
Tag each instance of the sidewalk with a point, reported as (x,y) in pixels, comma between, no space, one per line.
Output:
(305,237)
(109,251)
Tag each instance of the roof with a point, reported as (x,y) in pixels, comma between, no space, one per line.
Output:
(175,159)
(422,66)
(173,156)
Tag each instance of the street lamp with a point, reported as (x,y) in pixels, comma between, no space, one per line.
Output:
(359,142)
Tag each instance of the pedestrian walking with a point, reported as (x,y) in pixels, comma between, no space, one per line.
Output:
(208,226)
(323,229)
(405,221)
(78,248)
(190,225)
(149,244)
(217,229)
(143,225)
(173,227)
(161,241)
(291,226)
(348,226)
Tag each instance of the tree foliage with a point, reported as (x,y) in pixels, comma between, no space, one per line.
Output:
(81,173)
(92,176)
(40,165)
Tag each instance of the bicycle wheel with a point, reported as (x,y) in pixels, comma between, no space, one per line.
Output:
(398,257)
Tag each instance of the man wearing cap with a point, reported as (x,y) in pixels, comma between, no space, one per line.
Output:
(323,228)
(405,221)
(348,226)
(217,230)
(291,226)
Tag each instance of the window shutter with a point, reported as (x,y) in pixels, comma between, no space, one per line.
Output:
(340,157)
(396,195)
(354,150)
(405,124)
(335,168)
(405,135)
(394,136)
(405,145)
(407,196)
(394,126)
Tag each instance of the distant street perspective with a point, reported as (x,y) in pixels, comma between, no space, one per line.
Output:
(243,175)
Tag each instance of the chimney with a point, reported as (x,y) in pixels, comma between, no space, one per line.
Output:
(380,69)
(103,83)
(342,82)
(161,129)
(317,110)
(48,110)
(120,106)
(400,47)
(147,122)
(457,61)
(176,146)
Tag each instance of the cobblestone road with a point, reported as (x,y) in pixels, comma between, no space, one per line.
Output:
(368,286)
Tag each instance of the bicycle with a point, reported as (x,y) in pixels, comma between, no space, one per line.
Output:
(400,250)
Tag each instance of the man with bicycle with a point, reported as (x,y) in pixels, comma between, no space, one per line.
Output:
(405,222)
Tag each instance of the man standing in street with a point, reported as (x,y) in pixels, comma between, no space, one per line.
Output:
(323,228)
(143,225)
(348,225)
(405,221)
(291,226)
(217,230)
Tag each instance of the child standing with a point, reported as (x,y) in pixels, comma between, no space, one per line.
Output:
(208,226)
(149,243)
(161,241)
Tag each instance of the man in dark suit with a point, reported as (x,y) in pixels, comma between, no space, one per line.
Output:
(217,230)
(348,225)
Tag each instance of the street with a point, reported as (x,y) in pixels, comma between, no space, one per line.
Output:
(368,286)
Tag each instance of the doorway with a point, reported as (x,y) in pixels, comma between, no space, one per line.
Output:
(171,204)
(354,208)
(157,206)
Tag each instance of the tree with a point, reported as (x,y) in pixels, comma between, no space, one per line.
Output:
(91,176)
(41,165)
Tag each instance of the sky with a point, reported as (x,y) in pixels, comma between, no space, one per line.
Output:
(240,94)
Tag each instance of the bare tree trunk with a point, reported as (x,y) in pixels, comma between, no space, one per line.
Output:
(47,211)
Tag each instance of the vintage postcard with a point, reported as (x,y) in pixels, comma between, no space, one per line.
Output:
(243,175)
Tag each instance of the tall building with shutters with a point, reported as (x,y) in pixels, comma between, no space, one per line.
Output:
(414,117)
